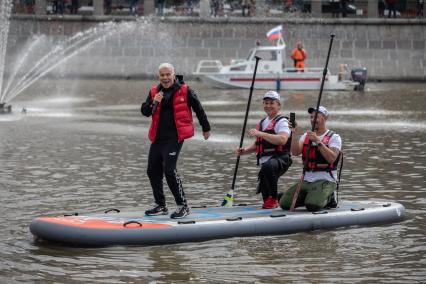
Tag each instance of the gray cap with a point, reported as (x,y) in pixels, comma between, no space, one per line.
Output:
(321,109)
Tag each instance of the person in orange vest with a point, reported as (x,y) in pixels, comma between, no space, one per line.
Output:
(170,104)
(299,55)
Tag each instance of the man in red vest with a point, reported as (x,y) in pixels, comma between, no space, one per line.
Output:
(320,170)
(170,104)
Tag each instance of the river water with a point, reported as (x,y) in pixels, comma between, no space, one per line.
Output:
(82,147)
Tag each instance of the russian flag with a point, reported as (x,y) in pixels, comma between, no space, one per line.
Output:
(275,33)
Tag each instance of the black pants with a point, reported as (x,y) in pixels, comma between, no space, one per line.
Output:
(270,173)
(162,160)
(392,9)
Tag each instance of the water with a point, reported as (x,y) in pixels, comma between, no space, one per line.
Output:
(82,147)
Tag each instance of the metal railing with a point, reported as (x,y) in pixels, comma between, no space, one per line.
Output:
(231,8)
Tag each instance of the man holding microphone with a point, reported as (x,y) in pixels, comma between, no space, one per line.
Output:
(170,104)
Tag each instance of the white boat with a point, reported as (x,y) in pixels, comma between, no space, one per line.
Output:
(271,73)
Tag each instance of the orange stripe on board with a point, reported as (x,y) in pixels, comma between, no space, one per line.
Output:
(98,223)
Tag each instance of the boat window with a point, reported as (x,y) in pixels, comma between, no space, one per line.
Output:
(270,55)
(239,68)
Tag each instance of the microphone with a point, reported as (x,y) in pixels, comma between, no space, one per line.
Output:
(154,108)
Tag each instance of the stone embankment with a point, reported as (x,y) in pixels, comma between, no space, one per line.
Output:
(391,49)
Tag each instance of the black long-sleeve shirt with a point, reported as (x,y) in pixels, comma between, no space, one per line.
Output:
(166,131)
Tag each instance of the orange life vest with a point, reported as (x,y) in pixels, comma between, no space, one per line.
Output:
(299,56)
(181,111)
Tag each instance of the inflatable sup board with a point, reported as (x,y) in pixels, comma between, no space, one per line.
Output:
(115,227)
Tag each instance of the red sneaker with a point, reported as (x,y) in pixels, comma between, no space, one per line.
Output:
(270,203)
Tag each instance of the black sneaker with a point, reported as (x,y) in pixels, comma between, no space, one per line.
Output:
(181,211)
(157,210)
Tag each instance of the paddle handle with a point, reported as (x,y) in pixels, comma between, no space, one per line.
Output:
(324,73)
(245,121)
(296,193)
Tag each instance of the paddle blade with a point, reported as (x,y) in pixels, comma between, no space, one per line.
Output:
(228,200)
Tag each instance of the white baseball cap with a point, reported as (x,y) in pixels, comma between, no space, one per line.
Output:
(321,109)
(272,95)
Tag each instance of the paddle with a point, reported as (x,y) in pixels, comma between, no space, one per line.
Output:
(324,73)
(228,200)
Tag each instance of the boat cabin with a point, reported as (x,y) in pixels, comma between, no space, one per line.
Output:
(272,60)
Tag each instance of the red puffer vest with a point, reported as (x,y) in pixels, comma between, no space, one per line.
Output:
(181,112)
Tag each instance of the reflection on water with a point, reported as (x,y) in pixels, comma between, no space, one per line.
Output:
(87,151)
